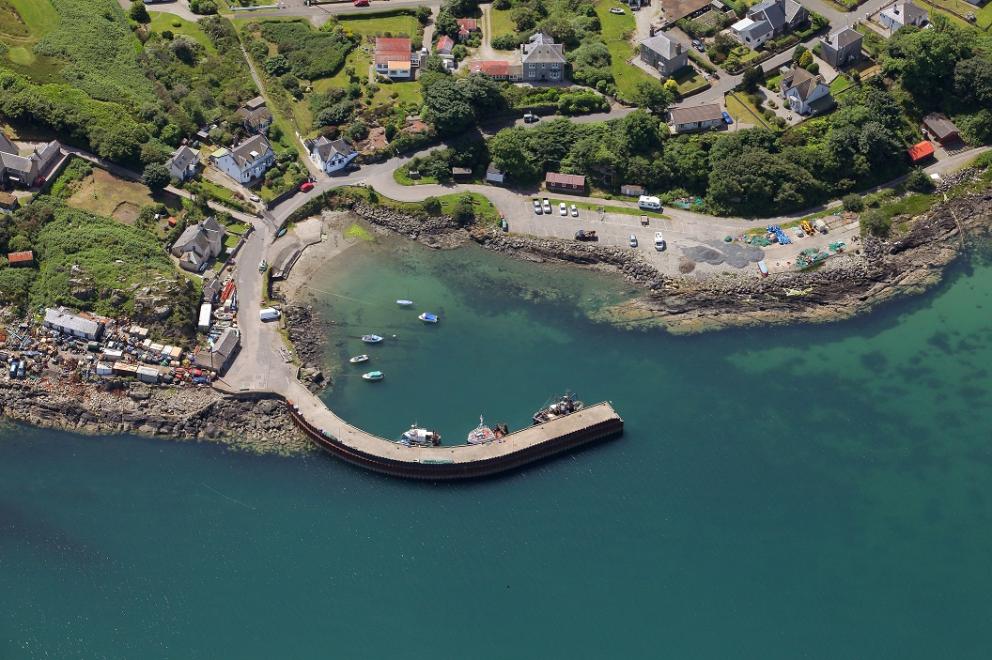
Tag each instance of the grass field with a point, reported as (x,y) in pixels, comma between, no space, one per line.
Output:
(485,212)
(591,206)
(741,110)
(690,81)
(22,24)
(502,24)
(105,195)
(371,25)
(406,93)
(983,15)
(616,31)
(162,21)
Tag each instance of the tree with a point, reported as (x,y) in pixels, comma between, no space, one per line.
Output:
(853,202)
(139,13)
(276,65)
(753,77)
(464,211)
(510,153)
(798,53)
(431,205)
(973,80)
(423,15)
(805,58)
(876,223)
(156,176)
(19,243)
(919,181)
(653,96)
(184,49)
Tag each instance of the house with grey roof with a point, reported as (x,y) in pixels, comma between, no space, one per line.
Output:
(28,170)
(768,19)
(901,14)
(841,47)
(62,320)
(255,115)
(696,118)
(199,244)
(247,161)
(806,93)
(331,155)
(663,53)
(184,163)
(219,355)
(542,59)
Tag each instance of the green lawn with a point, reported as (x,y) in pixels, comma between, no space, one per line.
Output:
(839,84)
(371,25)
(690,81)
(592,206)
(22,24)
(741,109)
(162,21)
(39,16)
(616,31)
(501,23)
(485,212)
(406,93)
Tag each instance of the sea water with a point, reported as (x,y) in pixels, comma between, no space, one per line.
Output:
(807,491)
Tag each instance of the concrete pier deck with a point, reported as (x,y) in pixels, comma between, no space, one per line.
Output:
(591,424)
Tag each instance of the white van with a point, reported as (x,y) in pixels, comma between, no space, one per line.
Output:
(649,203)
(268,314)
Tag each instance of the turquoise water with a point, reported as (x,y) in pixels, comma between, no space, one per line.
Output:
(795,492)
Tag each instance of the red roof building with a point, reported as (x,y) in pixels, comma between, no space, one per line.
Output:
(444,45)
(920,151)
(393,56)
(466,26)
(496,68)
(25,258)
(565,182)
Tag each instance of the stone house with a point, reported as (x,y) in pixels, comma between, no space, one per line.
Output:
(199,244)
(842,47)
(665,54)
(331,155)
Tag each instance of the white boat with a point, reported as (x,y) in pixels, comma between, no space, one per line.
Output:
(480,434)
(404,303)
(427,317)
(421,437)
(373,376)
(358,359)
(371,339)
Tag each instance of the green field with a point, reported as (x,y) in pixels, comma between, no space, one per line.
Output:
(592,206)
(162,21)
(616,31)
(742,110)
(690,81)
(501,22)
(372,25)
(406,93)
(22,24)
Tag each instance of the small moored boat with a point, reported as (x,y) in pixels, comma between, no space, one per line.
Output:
(404,303)
(373,376)
(420,437)
(566,405)
(371,339)
(480,434)
(427,317)
(358,359)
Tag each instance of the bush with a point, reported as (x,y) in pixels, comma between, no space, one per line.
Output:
(919,181)
(853,202)
(138,13)
(877,223)
(203,7)
(506,42)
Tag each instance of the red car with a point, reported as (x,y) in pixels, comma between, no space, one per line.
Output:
(307,186)
(360,3)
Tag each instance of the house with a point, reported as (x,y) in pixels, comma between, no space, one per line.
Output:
(542,59)
(444,45)
(247,161)
(331,155)
(768,19)
(494,175)
(697,118)
(255,116)
(565,182)
(631,190)
(24,258)
(901,14)
(62,320)
(466,26)
(920,152)
(664,54)
(941,128)
(497,69)
(198,244)
(841,47)
(219,355)
(8,203)
(461,172)
(394,57)
(806,93)
(31,170)
(184,163)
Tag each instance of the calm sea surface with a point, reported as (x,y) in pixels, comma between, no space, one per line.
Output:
(820,492)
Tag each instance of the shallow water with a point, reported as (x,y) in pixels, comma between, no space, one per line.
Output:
(808,491)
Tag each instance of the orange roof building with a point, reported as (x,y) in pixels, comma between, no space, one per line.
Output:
(920,151)
(25,258)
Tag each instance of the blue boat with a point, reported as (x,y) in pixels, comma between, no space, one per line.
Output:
(427,317)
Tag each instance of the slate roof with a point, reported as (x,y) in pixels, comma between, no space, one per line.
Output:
(802,81)
(664,46)
(941,127)
(541,49)
(242,153)
(327,148)
(695,114)
(183,157)
(843,38)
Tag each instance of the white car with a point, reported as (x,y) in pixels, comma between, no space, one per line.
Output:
(547,205)
(659,241)
(537,207)
(562,209)
(632,240)
(255,198)
(575,211)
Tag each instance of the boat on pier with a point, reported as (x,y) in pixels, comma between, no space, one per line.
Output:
(481,434)
(418,437)
(566,405)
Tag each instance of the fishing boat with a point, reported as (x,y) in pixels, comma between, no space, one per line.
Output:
(404,303)
(371,339)
(566,405)
(420,437)
(427,317)
(358,359)
(480,434)
(373,376)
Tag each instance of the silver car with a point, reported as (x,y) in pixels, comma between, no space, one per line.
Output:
(537,207)
(632,240)
(547,205)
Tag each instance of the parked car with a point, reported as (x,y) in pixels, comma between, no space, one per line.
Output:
(562,209)
(537,206)
(699,45)
(360,3)
(255,198)
(306,186)
(727,119)
(530,118)
(547,205)
(632,240)
(659,241)
(262,265)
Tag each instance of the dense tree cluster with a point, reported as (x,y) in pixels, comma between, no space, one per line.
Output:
(454,105)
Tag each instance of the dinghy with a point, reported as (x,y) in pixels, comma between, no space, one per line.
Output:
(358,359)
(427,317)
(373,376)
(404,303)
(371,339)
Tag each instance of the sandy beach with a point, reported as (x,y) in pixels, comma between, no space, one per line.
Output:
(321,238)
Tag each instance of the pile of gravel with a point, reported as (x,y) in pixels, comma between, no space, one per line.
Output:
(735,254)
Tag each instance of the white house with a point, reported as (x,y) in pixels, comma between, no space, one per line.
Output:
(331,155)
(184,163)
(752,33)
(247,161)
(901,14)
(804,92)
